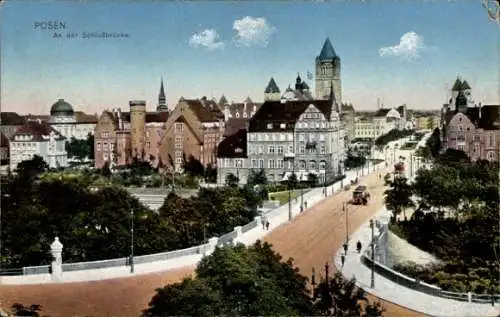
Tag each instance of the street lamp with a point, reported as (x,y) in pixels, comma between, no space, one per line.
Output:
(290,187)
(372,279)
(345,209)
(132,241)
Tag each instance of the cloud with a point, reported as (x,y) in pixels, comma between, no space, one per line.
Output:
(252,31)
(410,45)
(208,38)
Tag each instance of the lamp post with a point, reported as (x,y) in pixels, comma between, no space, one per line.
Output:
(372,279)
(132,241)
(290,187)
(345,209)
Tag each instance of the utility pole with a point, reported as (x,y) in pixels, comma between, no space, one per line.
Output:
(372,279)
(132,241)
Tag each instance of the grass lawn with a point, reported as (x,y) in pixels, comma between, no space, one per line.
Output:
(282,197)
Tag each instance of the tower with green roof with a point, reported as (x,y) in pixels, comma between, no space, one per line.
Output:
(272,91)
(328,72)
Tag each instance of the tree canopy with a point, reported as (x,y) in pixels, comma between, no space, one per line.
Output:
(398,196)
(253,281)
(392,135)
(81,149)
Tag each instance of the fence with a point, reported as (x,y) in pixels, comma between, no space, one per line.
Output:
(418,285)
(227,238)
(249,226)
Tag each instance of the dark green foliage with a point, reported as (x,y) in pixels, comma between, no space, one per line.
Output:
(255,281)
(232,180)
(392,135)
(25,311)
(210,174)
(312,179)
(257,178)
(463,233)
(81,149)
(192,166)
(398,196)
(354,161)
(452,157)
(29,169)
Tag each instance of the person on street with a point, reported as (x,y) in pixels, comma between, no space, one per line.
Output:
(358,246)
(267,225)
(263,222)
(305,204)
(342,259)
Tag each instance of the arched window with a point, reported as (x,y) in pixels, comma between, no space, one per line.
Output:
(322,165)
(312,165)
(302,164)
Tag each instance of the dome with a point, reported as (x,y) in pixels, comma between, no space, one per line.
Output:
(61,108)
(393,114)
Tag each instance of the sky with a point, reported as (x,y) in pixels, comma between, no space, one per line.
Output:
(393,51)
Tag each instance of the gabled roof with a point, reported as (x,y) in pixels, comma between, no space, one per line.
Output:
(159,117)
(82,117)
(203,113)
(11,118)
(327,52)
(382,112)
(272,114)
(489,119)
(457,86)
(37,129)
(465,85)
(234,146)
(272,87)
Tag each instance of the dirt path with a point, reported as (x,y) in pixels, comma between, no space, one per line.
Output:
(311,239)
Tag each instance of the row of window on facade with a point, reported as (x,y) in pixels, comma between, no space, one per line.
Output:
(476,137)
(279,149)
(24,145)
(105,146)
(304,125)
(285,137)
(280,164)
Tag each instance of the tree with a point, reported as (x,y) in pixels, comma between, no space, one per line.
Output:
(31,311)
(106,170)
(237,281)
(433,143)
(192,166)
(453,157)
(29,169)
(312,179)
(337,296)
(257,178)
(232,180)
(210,174)
(398,196)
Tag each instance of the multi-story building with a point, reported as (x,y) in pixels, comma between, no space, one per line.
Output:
(301,137)
(383,121)
(232,157)
(38,138)
(194,128)
(474,129)
(69,123)
(244,110)
(427,122)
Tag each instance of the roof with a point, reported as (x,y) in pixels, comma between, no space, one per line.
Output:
(82,117)
(11,118)
(204,109)
(160,116)
(234,146)
(393,113)
(272,87)
(222,100)
(277,113)
(327,52)
(382,112)
(489,119)
(4,140)
(461,99)
(457,86)
(61,108)
(162,91)
(346,107)
(233,125)
(36,117)
(465,85)
(37,129)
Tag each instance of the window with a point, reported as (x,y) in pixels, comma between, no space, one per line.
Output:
(282,137)
(244,114)
(491,140)
(238,163)
(280,149)
(279,163)
(283,126)
(261,149)
(302,137)
(322,165)
(261,163)
(322,149)
(302,149)
(271,164)
(491,155)
(322,137)
(254,163)
(312,165)
(178,160)
(179,127)
(112,146)
(178,146)
(105,156)
(271,149)
(148,145)
(290,149)
(178,154)
(290,165)
(237,114)
(461,147)
(105,146)
(178,139)
(302,164)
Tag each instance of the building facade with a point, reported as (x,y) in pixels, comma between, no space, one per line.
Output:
(296,137)
(10,122)
(473,129)
(38,138)
(232,158)
(69,123)
(383,121)
(194,128)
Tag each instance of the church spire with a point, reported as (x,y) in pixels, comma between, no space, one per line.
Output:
(162,100)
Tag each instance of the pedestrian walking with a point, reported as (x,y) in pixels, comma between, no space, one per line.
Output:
(267,225)
(263,222)
(305,203)
(301,208)
(358,246)
(342,259)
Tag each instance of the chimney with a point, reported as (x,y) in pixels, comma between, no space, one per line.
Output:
(480,108)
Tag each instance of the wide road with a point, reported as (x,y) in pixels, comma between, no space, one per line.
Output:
(311,239)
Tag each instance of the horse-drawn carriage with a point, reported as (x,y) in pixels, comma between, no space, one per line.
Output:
(360,195)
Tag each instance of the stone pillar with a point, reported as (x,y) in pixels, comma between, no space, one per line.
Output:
(56,250)
(211,245)
(238,234)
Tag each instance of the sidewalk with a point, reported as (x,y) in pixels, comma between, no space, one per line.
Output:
(398,294)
